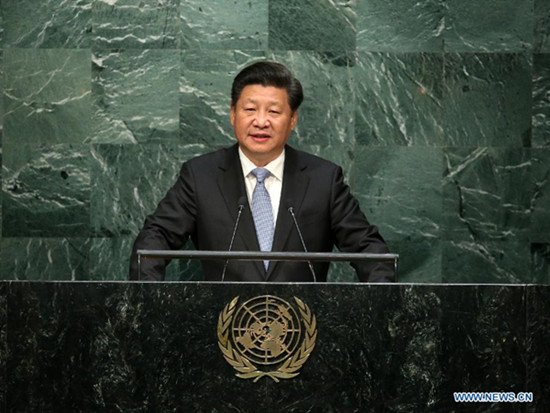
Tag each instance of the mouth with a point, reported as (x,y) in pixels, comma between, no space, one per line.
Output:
(260,137)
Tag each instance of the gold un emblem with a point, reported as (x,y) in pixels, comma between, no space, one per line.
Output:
(266,336)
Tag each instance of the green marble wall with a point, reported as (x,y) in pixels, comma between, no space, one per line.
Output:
(439,112)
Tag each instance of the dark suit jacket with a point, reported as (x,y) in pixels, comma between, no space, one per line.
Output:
(203,204)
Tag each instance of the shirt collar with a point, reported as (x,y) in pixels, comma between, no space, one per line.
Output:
(275,167)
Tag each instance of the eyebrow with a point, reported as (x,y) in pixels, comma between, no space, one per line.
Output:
(273,102)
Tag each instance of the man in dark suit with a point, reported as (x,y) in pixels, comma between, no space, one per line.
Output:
(264,179)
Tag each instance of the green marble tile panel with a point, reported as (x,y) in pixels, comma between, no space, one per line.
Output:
(400,26)
(223,25)
(399,190)
(44,259)
(487,100)
(540,201)
(398,99)
(321,25)
(540,263)
(110,260)
(490,26)
(502,261)
(541,100)
(128,181)
(46,190)
(47,95)
(205,94)
(47,24)
(136,96)
(136,24)
(419,259)
(486,194)
(326,114)
(542,26)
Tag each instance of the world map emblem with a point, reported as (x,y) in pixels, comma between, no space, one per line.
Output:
(266,336)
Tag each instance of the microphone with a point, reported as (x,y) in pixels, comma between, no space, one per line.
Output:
(242,202)
(291,210)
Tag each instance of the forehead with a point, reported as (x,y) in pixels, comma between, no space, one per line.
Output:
(263,95)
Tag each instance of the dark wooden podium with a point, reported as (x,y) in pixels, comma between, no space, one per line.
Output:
(154,347)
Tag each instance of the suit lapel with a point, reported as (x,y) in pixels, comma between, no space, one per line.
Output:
(295,184)
(232,188)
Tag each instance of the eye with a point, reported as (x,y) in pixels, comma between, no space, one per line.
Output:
(249,109)
(276,112)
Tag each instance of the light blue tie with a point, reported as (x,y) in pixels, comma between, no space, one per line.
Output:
(262,212)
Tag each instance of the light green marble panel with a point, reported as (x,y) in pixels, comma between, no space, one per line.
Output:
(542,26)
(47,24)
(320,25)
(487,261)
(44,259)
(400,26)
(47,95)
(128,181)
(487,100)
(487,194)
(541,100)
(488,26)
(136,24)
(398,99)
(326,114)
(223,25)
(136,96)
(205,94)
(46,191)
(399,190)
(540,201)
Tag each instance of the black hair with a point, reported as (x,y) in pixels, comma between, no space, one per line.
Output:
(268,74)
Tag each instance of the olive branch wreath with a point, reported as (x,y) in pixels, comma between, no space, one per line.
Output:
(245,368)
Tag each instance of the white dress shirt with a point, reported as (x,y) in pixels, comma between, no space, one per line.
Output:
(273,183)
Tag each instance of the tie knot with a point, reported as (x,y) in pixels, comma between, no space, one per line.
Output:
(260,174)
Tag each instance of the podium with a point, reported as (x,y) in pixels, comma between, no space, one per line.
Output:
(154,347)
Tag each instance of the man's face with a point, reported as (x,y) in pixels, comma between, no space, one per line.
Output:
(262,121)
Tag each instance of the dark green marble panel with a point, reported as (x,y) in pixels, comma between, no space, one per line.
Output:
(486,193)
(128,181)
(419,259)
(47,24)
(540,263)
(542,26)
(205,94)
(398,99)
(44,258)
(470,27)
(223,25)
(399,190)
(483,331)
(541,100)
(487,100)
(47,95)
(487,261)
(326,114)
(538,337)
(110,260)
(46,191)
(312,25)
(400,26)
(540,211)
(3,345)
(136,24)
(136,96)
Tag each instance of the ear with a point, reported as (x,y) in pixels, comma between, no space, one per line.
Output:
(232,115)
(294,120)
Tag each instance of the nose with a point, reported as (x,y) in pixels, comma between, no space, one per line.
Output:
(261,120)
